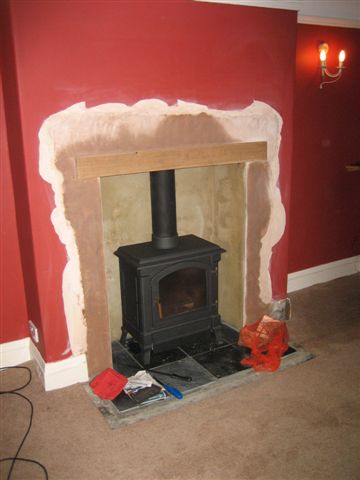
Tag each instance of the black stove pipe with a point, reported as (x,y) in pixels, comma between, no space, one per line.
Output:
(163,209)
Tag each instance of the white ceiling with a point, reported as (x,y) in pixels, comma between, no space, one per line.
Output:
(322,12)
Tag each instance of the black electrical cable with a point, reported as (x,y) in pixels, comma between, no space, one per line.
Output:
(16,458)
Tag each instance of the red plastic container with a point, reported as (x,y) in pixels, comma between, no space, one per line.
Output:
(108,384)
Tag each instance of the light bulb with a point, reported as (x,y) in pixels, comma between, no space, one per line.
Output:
(341,58)
(323,55)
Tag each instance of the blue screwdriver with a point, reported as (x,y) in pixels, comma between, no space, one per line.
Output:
(172,390)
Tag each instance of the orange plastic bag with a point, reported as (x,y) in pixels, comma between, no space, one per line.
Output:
(268,340)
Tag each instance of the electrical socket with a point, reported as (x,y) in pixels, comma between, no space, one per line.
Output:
(33,332)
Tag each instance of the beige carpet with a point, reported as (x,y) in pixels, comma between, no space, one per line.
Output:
(301,423)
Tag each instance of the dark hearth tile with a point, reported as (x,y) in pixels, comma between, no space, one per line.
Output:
(157,358)
(206,341)
(289,350)
(162,358)
(230,333)
(185,367)
(202,343)
(223,361)
(123,361)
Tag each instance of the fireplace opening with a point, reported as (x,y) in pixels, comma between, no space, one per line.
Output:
(169,286)
(98,160)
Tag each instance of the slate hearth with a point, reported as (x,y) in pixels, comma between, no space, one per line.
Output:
(214,368)
(200,358)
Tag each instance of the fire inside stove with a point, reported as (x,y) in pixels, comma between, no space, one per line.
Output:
(169,286)
(182,291)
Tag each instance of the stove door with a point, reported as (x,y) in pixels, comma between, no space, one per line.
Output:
(180,291)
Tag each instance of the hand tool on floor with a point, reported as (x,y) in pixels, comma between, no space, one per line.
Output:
(175,375)
(172,390)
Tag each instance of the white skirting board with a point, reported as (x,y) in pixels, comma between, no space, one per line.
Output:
(60,374)
(14,353)
(54,375)
(323,273)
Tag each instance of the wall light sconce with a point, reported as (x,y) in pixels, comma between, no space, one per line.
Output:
(323,50)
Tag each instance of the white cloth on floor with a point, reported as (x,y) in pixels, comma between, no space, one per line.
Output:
(141,379)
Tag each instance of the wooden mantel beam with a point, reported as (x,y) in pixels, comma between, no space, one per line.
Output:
(141,161)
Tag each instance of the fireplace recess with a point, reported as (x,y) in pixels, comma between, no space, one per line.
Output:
(169,286)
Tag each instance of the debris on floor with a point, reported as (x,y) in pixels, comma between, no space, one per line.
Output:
(108,384)
(143,389)
(268,340)
(199,368)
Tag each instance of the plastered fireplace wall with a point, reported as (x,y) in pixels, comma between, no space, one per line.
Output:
(210,203)
(77,217)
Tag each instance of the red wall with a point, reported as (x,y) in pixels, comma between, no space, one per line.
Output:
(325,199)
(70,51)
(12,293)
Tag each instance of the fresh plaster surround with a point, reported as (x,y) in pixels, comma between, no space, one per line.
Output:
(151,124)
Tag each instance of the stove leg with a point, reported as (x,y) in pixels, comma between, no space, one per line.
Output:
(123,335)
(218,334)
(146,356)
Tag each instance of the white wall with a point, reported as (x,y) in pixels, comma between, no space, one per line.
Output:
(343,12)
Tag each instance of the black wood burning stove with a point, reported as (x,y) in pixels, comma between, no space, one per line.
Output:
(169,286)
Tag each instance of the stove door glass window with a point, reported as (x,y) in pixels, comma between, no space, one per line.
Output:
(182,291)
